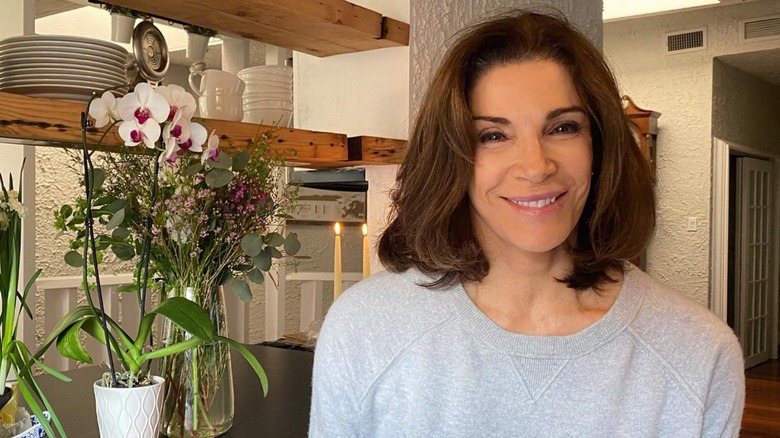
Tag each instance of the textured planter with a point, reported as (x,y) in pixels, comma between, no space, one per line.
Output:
(129,412)
(122,28)
(196,46)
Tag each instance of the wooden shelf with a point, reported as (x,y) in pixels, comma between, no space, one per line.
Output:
(48,122)
(317,27)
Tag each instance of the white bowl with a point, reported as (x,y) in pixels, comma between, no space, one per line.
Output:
(274,117)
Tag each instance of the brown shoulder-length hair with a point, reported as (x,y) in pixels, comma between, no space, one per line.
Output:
(431,225)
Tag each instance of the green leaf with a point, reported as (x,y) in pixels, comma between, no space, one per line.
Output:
(116,219)
(274,239)
(275,253)
(217,178)
(65,211)
(187,315)
(251,359)
(69,344)
(224,161)
(256,276)
(127,288)
(120,233)
(123,252)
(73,258)
(241,290)
(263,260)
(252,244)
(116,205)
(291,244)
(98,177)
(240,160)
(193,169)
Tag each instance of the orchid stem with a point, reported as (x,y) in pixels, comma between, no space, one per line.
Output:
(90,240)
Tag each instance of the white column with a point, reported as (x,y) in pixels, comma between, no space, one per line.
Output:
(18,18)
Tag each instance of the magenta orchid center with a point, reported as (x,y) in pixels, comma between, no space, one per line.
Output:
(142,115)
(172,113)
(185,146)
(176,131)
(136,135)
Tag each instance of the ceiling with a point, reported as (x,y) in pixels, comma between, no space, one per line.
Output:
(764,64)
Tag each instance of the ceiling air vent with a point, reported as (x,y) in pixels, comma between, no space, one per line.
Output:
(762,28)
(686,41)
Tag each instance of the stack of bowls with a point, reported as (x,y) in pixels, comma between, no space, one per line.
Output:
(268,96)
(61,67)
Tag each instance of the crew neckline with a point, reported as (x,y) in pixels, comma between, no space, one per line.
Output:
(617,318)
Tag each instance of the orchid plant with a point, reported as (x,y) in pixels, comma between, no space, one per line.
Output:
(189,213)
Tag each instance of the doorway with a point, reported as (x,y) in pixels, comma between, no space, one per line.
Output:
(751,294)
(745,246)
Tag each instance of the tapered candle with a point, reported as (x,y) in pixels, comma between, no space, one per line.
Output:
(337,263)
(366,260)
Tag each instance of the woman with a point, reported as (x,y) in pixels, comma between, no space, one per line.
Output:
(509,308)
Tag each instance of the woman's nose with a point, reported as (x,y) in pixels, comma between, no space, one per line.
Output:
(531,161)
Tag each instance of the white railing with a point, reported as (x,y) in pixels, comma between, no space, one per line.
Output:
(61,294)
(311,292)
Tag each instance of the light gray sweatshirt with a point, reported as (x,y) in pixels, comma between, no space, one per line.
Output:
(397,360)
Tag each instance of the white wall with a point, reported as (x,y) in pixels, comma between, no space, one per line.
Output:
(680,87)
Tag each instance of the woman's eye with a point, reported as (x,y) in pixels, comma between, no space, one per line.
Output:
(491,136)
(567,129)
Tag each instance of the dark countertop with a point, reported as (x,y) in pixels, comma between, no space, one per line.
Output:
(283,413)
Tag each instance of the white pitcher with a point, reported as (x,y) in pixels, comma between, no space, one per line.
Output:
(220,94)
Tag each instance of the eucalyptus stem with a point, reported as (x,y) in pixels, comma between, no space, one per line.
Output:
(89,239)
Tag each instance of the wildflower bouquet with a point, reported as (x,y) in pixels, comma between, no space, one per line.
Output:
(192,216)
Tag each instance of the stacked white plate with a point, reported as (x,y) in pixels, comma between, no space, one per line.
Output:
(61,67)
(268,95)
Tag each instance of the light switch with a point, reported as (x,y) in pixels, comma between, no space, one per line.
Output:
(692,224)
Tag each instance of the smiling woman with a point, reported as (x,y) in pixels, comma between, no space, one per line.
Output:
(510,308)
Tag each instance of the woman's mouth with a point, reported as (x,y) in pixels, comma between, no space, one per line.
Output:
(536,202)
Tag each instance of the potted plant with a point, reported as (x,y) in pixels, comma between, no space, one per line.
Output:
(193,217)
(122,22)
(15,357)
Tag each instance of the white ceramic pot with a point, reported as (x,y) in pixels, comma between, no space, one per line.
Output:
(196,47)
(129,412)
(122,28)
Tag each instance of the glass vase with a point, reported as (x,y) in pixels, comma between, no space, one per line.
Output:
(199,394)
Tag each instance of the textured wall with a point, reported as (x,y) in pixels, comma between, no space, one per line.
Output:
(745,109)
(434,22)
(680,87)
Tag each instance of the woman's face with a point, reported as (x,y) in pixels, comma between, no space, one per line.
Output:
(533,158)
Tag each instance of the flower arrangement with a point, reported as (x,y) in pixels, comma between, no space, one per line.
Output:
(190,215)
(15,357)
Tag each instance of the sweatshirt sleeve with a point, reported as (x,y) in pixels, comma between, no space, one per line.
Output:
(726,396)
(334,405)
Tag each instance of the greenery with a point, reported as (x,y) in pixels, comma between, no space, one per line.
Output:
(14,355)
(188,215)
(191,28)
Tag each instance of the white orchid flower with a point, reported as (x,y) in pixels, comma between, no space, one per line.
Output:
(178,129)
(212,149)
(198,136)
(134,133)
(143,104)
(104,109)
(179,99)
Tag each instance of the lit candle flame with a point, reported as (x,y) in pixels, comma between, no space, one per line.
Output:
(337,227)
(365,229)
